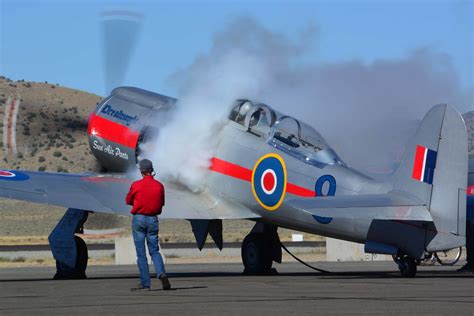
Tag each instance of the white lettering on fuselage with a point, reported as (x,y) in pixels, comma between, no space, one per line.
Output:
(109,149)
(120,154)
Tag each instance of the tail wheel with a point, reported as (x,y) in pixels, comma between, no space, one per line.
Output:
(255,258)
(448,257)
(407,266)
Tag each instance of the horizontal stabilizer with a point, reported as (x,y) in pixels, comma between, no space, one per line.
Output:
(390,206)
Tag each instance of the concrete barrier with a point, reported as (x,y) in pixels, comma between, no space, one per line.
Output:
(336,250)
(125,251)
(340,250)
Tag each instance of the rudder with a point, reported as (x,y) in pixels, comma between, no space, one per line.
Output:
(434,171)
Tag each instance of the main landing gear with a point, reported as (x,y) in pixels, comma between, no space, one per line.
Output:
(69,250)
(406,265)
(78,271)
(260,248)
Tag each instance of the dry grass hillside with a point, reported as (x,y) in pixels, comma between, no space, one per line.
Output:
(51,135)
(51,131)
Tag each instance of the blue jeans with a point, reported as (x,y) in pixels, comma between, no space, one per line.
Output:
(146,227)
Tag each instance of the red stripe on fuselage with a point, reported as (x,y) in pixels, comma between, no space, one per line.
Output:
(230,169)
(115,132)
(239,172)
(418,164)
(300,191)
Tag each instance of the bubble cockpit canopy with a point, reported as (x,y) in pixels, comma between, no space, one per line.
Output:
(284,133)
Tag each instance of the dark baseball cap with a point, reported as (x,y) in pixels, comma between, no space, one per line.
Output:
(145,165)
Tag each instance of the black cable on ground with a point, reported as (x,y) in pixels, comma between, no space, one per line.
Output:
(302,262)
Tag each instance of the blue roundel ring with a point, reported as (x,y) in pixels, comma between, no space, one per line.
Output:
(269,181)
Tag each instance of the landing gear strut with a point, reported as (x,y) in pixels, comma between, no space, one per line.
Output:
(63,271)
(406,265)
(260,248)
(70,251)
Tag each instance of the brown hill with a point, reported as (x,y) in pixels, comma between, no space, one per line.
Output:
(51,127)
(51,135)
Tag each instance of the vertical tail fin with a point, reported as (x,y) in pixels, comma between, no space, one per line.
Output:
(434,170)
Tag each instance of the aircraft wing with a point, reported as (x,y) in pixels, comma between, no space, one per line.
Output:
(390,206)
(106,194)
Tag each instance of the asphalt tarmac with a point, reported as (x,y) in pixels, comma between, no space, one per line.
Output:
(354,288)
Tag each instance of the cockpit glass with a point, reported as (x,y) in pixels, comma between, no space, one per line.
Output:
(311,139)
(240,111)
(287,131)
(257,119)
(303,142)
(284,133)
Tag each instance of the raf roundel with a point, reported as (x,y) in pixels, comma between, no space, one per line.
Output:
(6,174)
(13,175)
(269,181)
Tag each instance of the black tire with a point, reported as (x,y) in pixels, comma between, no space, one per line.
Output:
(65,272)
(407,267)
(449,257)
(82,257)
(255,258)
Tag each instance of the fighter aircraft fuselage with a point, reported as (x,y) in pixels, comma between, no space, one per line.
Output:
(263,159)
(311,168)
(238,155)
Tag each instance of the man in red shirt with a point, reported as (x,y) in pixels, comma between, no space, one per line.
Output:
(147,196)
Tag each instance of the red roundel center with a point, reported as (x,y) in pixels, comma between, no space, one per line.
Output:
(6,174)
(268,181)
(470,190)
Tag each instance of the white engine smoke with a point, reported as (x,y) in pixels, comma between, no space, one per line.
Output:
(185,145)
(365,111)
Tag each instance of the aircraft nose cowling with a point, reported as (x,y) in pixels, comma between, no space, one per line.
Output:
(122,121)
(113,144)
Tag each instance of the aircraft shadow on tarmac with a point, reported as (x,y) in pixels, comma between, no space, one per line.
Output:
(332,275)
(393,275)
(181,288)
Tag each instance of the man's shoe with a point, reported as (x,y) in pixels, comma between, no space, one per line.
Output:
(165,282)
(466,268)
(140,288)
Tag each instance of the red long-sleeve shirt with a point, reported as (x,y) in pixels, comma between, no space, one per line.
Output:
(147,196)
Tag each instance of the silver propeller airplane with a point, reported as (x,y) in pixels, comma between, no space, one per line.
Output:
(272,169)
